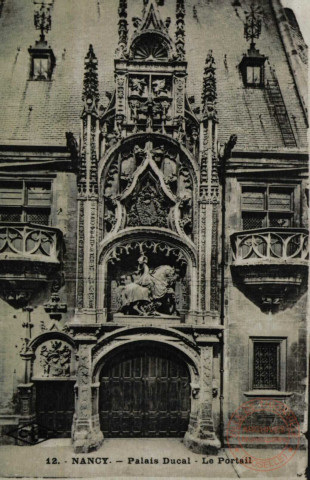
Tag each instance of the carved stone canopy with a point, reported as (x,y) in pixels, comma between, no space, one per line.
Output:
(149,184)
(151,40)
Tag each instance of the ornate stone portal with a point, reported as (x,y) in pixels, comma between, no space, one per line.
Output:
(148,222)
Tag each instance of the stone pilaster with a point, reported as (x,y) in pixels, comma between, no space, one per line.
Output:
(86,434)
(201,437)
(88,195)
(208,195)
(28,428)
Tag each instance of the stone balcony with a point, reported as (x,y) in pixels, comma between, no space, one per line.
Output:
(270,265)
(29,257)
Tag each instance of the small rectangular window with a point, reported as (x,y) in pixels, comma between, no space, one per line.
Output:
(280,199)
(11,193)
(267,206)
(39,194)
(253,199)
(267,363)
(25,201)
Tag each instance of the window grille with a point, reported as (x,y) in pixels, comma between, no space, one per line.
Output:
(266,359)
(41,218)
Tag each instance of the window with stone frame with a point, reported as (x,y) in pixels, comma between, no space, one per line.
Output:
(267,363)
(25,201)
(267,206)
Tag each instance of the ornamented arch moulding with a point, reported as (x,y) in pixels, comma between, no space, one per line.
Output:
(104,351)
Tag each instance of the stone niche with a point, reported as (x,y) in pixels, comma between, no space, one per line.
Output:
(147,279)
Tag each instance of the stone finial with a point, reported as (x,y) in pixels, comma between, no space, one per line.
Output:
(209,89)
(90,95)
(122,29)
(180,31)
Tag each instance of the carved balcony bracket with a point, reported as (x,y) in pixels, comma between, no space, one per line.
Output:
(270,266)
(30,256)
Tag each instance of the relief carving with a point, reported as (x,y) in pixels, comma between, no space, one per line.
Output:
(148,206)
(83,368)
(55,359)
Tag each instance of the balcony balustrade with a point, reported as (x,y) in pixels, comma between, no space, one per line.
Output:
(270,265)
(274,245)
(29,257)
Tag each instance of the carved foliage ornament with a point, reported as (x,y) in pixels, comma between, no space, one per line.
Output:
(147,246)
(209,88)
(90,94)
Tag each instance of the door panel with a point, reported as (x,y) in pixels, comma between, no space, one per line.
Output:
(144,393)
(55,406)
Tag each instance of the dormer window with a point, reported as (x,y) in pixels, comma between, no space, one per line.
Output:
(41,55)
(42,62)
(252,68)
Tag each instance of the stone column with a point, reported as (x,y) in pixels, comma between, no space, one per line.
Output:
(201,437)
(86,434)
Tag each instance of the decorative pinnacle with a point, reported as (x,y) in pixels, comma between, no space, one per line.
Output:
(209,89)
(180,31)
(122,25)
(90,94)
(253,24)
(43,19)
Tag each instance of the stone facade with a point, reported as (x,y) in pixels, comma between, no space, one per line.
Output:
(163,236)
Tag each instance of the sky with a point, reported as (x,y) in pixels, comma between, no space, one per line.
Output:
(302,11)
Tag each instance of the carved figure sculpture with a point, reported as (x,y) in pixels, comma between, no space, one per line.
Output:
(147,292)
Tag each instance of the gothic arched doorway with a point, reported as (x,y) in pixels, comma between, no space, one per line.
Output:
(144,392)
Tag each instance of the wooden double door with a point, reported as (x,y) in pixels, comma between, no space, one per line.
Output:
(144,392)
(55,407)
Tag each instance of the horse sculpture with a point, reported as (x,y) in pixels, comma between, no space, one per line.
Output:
(147,292)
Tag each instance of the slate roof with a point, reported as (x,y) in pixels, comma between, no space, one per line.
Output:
(39,113)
